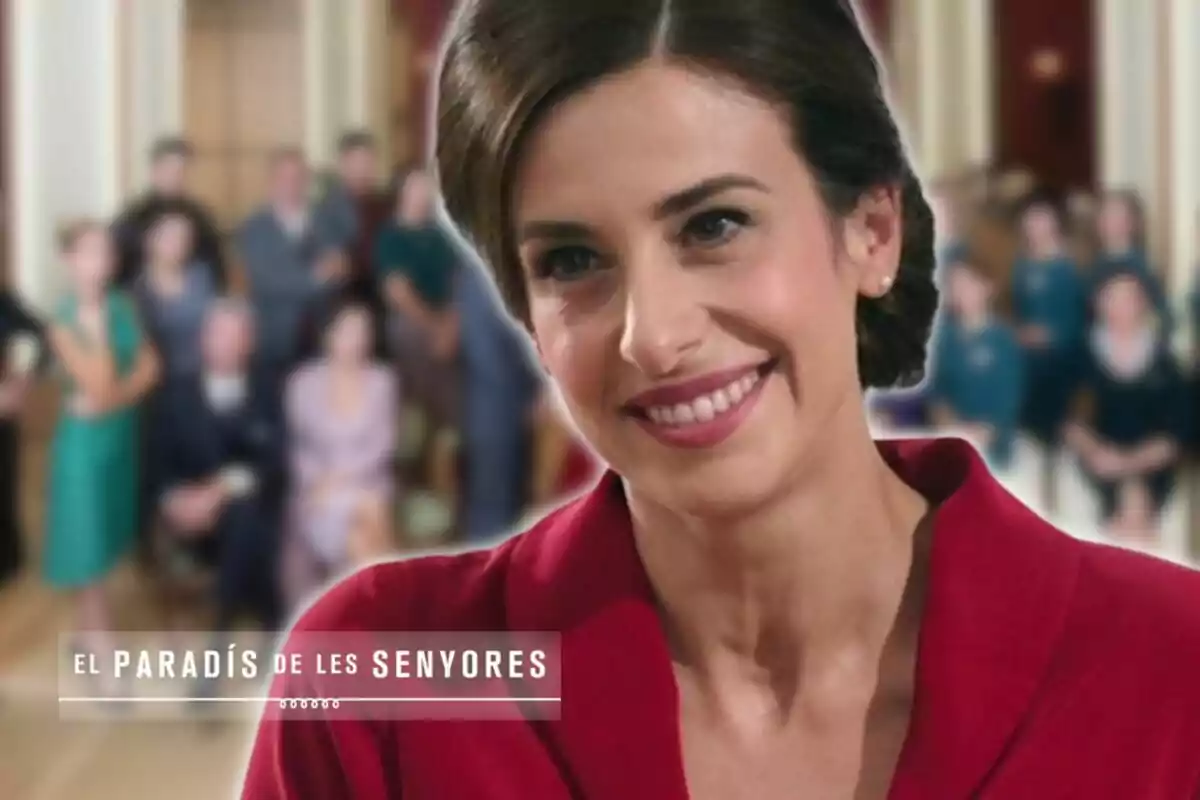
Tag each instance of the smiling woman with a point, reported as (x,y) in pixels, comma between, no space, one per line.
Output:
(704,216)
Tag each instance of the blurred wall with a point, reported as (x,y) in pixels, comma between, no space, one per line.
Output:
(152,34)
(244,96)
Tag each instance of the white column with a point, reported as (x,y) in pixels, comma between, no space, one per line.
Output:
(345,71)
(153,45)
(930,85)
(1128,95)
(942,77)
(1183,149)
(65,114)
(323,100)
(979,87)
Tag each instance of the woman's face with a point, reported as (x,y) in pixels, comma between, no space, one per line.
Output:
(170,240)
(1041,230)
(1115,224)
(1122,305)
(688,291)
(349,337)
(91,261)
(969,292)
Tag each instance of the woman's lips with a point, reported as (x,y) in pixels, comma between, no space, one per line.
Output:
(703,411)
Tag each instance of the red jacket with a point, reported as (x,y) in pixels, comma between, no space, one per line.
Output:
(1047,667)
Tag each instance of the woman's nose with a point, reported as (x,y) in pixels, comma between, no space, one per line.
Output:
(663,323)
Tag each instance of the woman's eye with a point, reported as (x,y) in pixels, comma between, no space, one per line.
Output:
(715,227)
(566,263)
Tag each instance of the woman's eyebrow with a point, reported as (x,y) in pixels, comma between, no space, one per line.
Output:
(694,195)
(672,204)
(555,230)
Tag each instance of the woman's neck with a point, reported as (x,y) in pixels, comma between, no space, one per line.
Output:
(343,370)
(784,596)
(1116,248)
(166,274)
(91,299)
(973,320)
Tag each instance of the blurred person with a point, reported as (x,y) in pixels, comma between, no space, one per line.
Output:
(293,262)
(108,366)
(173,291)
(949,223)
(705,216)
(22,353)
(1081,207)
(499,409)
(1120,232)
(342,437)
(976,373)
(417,264)
(1049,313)
(170,165)
(1130,440)
(219,462)
(354,209)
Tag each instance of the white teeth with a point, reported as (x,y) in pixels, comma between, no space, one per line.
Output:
(705,407)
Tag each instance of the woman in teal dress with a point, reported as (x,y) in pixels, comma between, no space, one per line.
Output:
(976,381)
(106,368)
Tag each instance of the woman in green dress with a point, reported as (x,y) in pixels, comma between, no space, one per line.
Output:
(106,367)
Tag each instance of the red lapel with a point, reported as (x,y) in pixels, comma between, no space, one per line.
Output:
(1000,582)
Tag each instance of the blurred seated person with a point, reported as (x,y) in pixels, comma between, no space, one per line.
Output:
(417,263)
(976,383)
(1128,442)
(22,351)
(354,210)
(1121,247)
(170,162)
(219,465)
(173,291)
(292,260)
(341,419)
(1049,312)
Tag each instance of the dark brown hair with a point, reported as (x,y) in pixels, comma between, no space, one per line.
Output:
(358,139)
(170,146)
(70,232)
(507,62)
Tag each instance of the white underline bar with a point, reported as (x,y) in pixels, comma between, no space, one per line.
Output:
(327,699)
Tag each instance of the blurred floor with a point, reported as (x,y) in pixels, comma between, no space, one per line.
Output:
(43,758)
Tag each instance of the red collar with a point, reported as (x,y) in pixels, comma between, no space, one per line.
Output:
(1000,582)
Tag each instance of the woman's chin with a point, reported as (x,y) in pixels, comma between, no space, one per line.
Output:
(716,489)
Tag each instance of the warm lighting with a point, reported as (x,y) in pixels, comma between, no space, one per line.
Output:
(1047,65)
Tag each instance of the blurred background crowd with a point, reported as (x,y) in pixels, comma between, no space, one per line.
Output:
(241,355)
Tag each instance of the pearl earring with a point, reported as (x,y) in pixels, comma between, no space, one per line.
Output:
(885,284)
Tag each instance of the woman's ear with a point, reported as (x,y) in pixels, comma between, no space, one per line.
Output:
(873,237)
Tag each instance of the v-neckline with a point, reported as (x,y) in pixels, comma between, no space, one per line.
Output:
(619,729)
